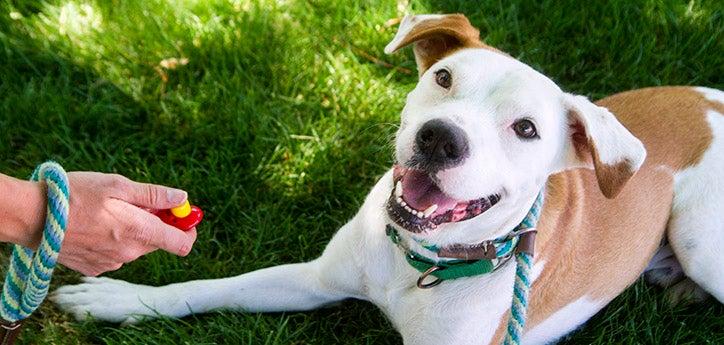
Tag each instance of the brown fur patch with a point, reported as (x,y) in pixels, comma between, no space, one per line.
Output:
(670,121)
(435,39)
(593,246)
(611,178)
(596,247)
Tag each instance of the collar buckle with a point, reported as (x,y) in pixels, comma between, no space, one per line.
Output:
(482,250)
(526,240)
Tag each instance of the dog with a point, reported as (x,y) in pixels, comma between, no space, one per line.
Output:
(482,136)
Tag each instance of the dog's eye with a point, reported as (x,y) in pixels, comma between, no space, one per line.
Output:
(525,129)
(443,78)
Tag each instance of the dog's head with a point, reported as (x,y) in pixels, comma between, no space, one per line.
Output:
(481,132)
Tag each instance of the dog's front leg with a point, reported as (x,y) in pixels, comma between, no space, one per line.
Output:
(293,287)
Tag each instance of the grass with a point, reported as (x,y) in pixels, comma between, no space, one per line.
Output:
(281,122)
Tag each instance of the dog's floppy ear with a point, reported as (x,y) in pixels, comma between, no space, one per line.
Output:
(596,135)
(435,36)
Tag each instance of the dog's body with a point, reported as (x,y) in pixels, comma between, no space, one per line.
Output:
(589,247)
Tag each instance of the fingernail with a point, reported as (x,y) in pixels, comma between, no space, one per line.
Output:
(175,196)
(185,250)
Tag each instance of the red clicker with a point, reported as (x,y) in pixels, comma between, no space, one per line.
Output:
(184,217)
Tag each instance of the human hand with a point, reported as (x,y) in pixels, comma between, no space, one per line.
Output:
(109,224)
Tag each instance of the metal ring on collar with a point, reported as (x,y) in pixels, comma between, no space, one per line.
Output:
(420,281)
(521,231)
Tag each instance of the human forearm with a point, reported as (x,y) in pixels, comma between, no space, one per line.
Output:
(22,211)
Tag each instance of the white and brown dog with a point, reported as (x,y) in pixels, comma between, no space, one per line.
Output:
(481,135)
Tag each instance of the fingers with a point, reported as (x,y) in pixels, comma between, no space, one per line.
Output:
(149,230)
(89,264)
(90,267)
(107,229)
(149,195)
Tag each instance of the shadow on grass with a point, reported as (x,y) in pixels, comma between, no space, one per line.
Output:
(64,105)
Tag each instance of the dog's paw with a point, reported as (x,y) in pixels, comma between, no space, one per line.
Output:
(686,292)
(664,269)
(109,300)
(667,274)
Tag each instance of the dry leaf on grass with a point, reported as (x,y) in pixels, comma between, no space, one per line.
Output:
(173,63)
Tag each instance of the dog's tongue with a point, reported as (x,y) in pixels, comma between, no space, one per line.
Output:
(420,192)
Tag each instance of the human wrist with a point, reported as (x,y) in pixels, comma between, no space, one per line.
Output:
(22,211)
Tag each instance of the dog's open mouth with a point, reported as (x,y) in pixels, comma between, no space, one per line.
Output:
(417,204)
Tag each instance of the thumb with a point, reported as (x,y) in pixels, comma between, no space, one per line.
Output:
(154,196)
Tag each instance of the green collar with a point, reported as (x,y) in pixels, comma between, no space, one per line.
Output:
(460,268)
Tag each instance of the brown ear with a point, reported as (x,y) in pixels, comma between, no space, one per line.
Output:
(597,136)
(435,36)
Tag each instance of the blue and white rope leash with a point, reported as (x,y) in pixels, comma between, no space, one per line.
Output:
(28,277)
(521,288)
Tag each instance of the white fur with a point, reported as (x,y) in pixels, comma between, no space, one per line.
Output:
(489,93)
(360,262)
(563,321)
(711,94)
(696,229)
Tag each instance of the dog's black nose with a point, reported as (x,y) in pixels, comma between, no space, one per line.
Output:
(441,145)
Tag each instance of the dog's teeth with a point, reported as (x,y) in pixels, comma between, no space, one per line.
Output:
(408,209)
(398,189)
(419,214)
(399,200)
(430,210)
(403,203)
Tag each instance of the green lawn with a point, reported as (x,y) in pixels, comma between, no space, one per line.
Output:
(283,119)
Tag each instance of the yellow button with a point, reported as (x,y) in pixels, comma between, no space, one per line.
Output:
(182,211)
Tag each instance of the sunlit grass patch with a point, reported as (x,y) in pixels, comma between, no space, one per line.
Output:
(278,117)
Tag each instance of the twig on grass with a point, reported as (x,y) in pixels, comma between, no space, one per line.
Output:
(378,61)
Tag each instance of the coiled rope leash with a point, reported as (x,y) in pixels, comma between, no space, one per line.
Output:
(28,277)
